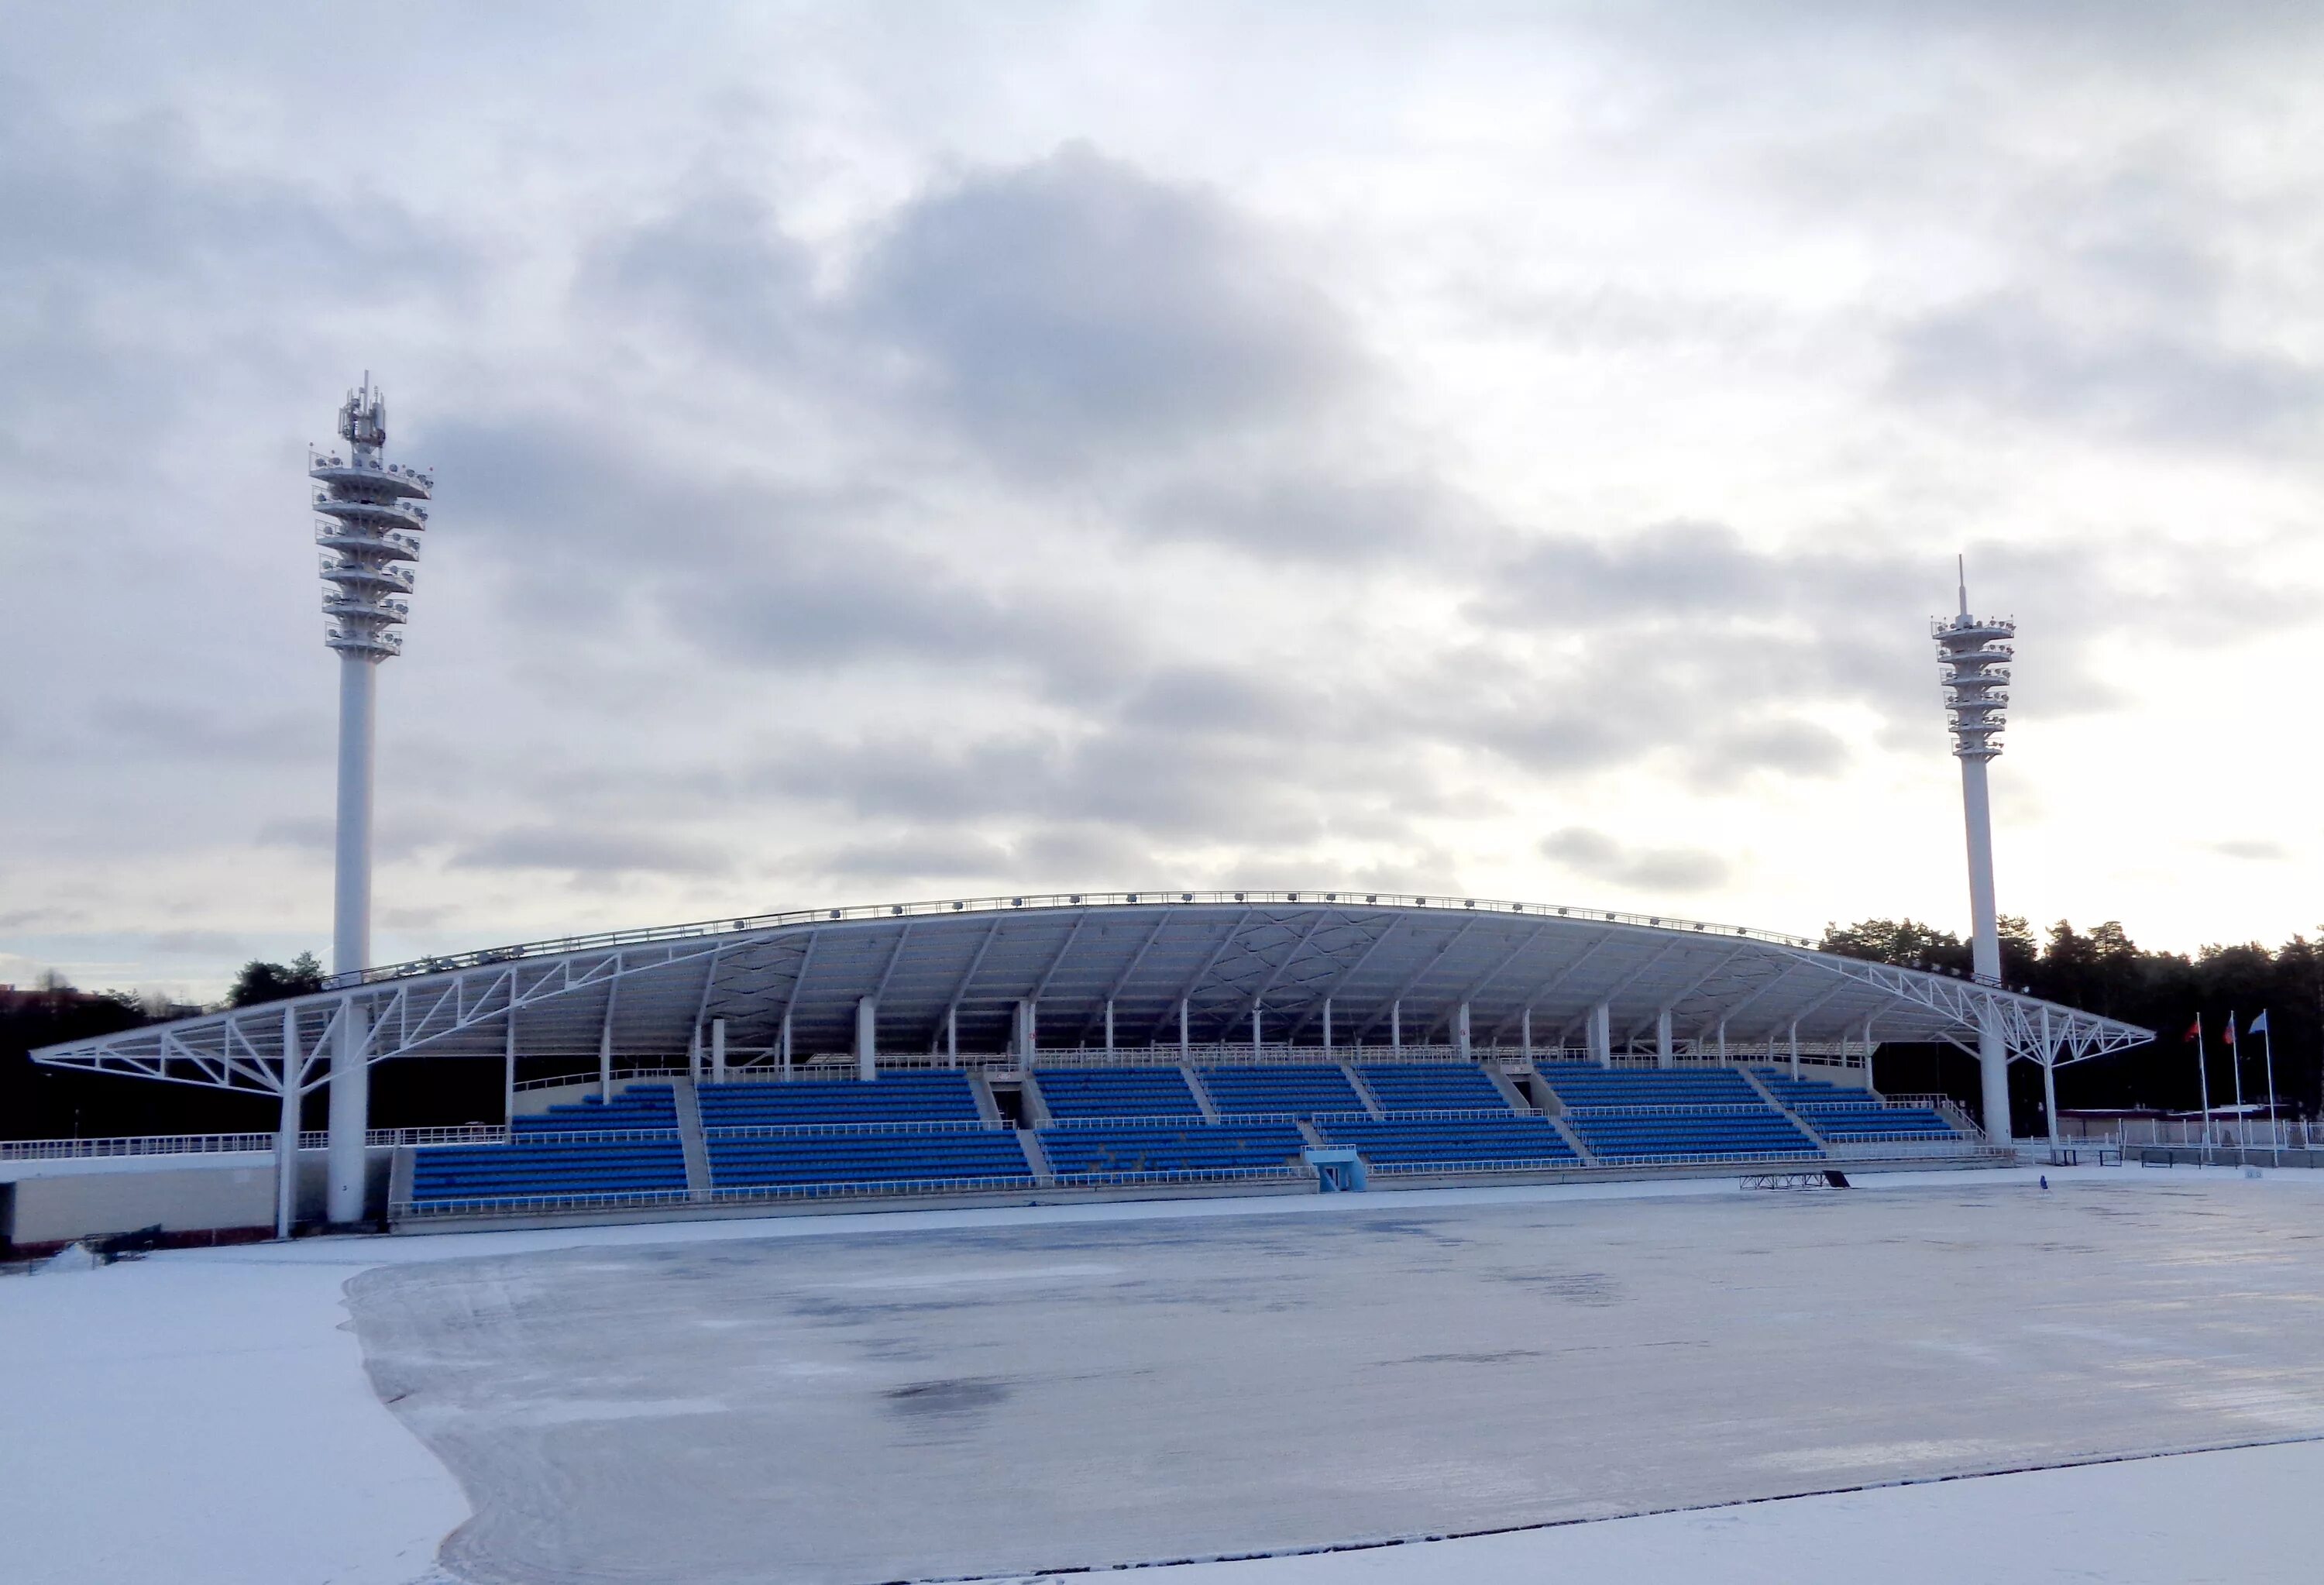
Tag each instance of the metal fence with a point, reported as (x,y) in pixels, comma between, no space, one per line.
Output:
(233,1144)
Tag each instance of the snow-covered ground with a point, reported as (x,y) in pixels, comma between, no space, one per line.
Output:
(812,1397)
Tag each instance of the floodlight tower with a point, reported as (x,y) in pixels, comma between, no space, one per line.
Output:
(1975,654)
(369,511)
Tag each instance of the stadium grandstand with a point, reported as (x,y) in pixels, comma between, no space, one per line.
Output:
(1119,1043)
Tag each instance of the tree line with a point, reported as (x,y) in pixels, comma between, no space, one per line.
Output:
(2102,971)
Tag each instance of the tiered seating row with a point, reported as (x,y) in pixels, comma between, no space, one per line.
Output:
(896,1098)
(1074,1093)
(1423,1086)
(1856,1124)
(1417,1144)
(1798,1093)
(1172,1147)
(653,1164)
(648,1107)
(1280,1092)
(1633,1136)
(1143,1121)
(1580,1085)
(832,1163)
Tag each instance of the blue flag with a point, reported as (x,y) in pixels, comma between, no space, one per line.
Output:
(2258,1026)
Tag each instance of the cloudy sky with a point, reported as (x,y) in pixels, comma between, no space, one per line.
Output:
(917,450)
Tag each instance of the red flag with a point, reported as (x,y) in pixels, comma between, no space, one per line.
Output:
(2230,1035)
(2194,1030)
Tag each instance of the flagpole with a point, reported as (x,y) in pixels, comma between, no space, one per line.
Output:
(2243,1118)
(2203,1068)
(2275,1134)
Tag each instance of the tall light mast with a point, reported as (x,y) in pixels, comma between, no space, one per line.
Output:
(369,512)
(1974,653)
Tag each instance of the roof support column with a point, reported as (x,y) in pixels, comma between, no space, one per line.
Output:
(1525,1033)
(350,1115)
(1182,1047)
(867,1038)
(1723,1040)
(285,1131)
(1663,1057)
(718,1051)
(693,1053)
(1460,1031)
(951,1033)
(1108,1024)
(508,1057)
(1601,1035)
(1327,1023)
(1026,1035)
(2050,1093)
(605,1050)
(783,1044)
(1255,1032)
(1396,1026)
(1795,1048)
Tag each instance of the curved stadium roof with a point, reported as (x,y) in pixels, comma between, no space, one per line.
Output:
(1376,957)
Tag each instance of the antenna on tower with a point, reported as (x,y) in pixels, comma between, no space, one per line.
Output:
(1960,566)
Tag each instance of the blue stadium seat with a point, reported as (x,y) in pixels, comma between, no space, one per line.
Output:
(635,1107)
(1637,1136)
(940,1097)
(1074,1093)
(1860,1124)
(577,1169)
(1431,1086)
(1422,1144)
(1172,1146)
(1280,1092)
(1580,1084)
(829,1163)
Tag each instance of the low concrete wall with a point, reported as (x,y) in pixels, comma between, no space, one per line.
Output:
(182,1194)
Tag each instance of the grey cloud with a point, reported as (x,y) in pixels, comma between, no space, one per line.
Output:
(719,268)
(1324,514)
(919,857)
(1597,856)
(590,853)
(761,571)
(1795,747)
(2258,851)
(1078,304)
(2008,356)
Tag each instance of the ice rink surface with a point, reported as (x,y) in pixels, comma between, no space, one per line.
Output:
(995,1394)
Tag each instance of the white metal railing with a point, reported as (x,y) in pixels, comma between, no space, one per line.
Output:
(1905,1149)
(1722,1108)
(1945,1107)
(514,1204)
(1052,900)
(809,1131)
(136,1145)
(233,1144)
(2224,1133)
(1706,1157)
(562,1136)
(618,1076)
(1567,1163)
(1207,1174)
(1325,1120)
(1163,1120)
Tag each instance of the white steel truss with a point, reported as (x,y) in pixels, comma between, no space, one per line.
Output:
(944,975)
